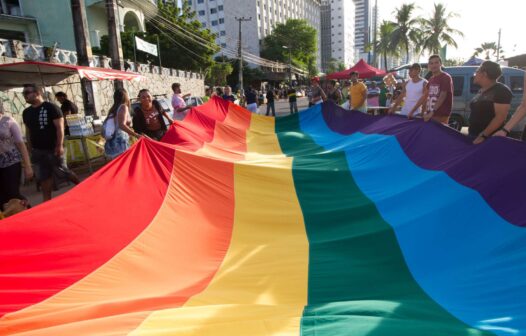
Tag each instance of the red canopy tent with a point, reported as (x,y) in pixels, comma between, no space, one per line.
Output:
(14,75)
(365,71)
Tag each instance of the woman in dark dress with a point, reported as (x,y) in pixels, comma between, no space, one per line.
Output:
(148,117)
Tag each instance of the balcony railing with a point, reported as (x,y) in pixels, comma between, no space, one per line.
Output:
(34,52)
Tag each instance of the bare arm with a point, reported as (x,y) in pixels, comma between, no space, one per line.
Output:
(121,120)
(28,139)
(519,114)
(501,112)
(28,169)
(421,101)
(170,120)
(59,125)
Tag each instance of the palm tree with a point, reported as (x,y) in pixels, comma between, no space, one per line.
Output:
(488,48)
(436,30)
(384,42)
(405,32)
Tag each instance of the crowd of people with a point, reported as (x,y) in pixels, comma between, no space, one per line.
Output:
(429,99)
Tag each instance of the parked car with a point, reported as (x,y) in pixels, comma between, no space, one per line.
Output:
(464,90)
(165,102)
(193,101)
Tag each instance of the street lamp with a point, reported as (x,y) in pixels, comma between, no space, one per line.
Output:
(290,63)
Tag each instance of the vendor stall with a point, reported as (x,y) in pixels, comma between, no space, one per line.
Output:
(86,144)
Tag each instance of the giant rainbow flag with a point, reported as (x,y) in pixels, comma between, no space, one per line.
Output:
(327,222)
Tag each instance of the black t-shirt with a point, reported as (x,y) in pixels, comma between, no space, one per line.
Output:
(39,121)
(229,97)
(482,108)
(251,97)
(292,95)
(270,96)
(69,106)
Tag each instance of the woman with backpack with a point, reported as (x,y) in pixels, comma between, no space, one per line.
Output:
(148,117)
(118,135)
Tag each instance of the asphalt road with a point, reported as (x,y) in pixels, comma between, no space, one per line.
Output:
(282,106)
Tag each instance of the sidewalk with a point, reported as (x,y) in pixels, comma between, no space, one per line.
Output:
(29,190)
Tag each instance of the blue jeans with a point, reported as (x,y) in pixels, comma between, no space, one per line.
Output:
(117,145)
(293,107)
(270,105)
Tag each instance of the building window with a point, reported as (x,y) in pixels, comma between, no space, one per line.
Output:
(204,24)
(214,23)
(213,10)
(200,1)
(220,8)
(222,33)
(201,13)
(221,21)
(190,2)
(223,45)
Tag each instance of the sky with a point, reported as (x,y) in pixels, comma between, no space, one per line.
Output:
(479,21)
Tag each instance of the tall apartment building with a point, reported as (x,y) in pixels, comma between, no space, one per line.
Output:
(362,28)
(326,41)
(337,30)
(220,17)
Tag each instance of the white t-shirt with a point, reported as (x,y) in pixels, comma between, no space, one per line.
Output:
(413,92)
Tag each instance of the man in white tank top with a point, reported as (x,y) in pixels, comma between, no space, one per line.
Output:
(413,90)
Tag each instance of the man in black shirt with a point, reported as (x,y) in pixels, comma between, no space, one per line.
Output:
(45,131)
(489,108)
(67,107)
(270,102)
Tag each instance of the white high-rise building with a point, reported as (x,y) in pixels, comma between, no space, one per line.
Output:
(362,28)
(337,32)
(220,16)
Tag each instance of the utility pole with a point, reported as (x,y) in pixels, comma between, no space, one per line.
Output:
(290,63)
(84,54)
(114,36)
(240,52)
(498,45)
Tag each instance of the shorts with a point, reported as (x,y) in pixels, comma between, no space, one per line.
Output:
(48,165)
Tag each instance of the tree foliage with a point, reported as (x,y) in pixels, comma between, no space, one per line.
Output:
(436,30)
(184,43)
(489,50)
(405,32)
(251,76)
(218,72)
(299,38)
(335,65)
(384,44)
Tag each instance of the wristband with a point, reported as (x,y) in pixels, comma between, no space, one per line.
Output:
(505,130)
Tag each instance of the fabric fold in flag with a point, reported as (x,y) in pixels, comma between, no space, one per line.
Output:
(325,222)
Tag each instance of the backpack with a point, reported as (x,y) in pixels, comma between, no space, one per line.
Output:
(109,127)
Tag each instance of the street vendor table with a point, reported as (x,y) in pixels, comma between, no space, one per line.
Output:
(84,149)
